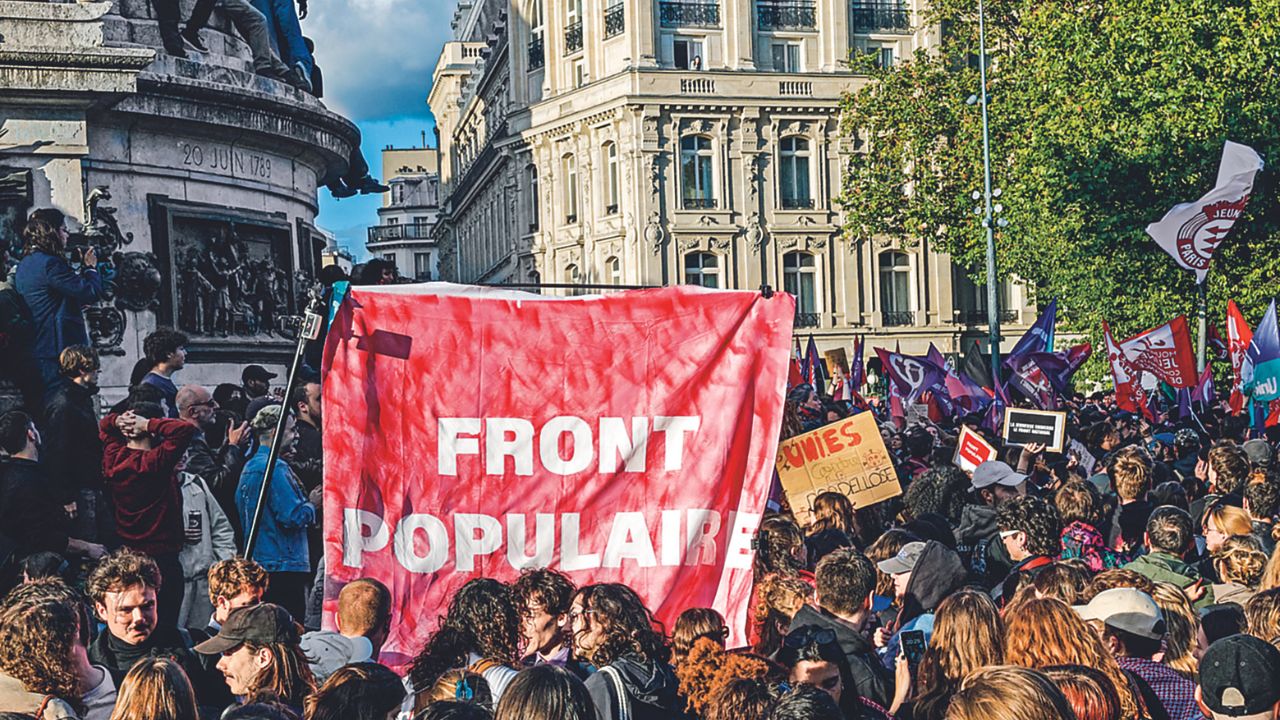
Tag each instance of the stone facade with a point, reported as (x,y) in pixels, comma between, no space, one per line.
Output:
(178,165)
(646,142)
(405,233)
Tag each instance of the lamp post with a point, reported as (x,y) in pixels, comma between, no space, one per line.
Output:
(993,309)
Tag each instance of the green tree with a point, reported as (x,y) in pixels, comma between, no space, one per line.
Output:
(1103,115)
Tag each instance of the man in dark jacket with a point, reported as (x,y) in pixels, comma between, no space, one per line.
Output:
(977,538)
(846,580)
(141,451)
(1031,531)
(55,293)
(72,450)
(219,468)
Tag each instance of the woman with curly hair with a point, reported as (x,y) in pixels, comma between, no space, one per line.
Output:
(1044,632)
(156,689)
(780,552)
(39,637)
(480,632)
(709,668)
(941,490)
(778,599)
(615,632)
(968,634)
(1240,563)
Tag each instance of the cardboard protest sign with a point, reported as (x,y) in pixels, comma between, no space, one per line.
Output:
(847,456)
(972,450)
(838,360)
(621,438)
(1035,427)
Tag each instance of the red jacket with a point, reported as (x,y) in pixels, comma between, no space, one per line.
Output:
(143,484)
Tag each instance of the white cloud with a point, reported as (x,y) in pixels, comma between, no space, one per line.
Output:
(377,55)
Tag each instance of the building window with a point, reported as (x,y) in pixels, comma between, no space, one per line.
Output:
(537,36)
(786,56)
(422,266)
(613,270)
(570,189)
(389,257)
(532,171)
(794,174)
(884,56)
(880,16)
(573,27)
(615,19)
(688,53)
(895,288)
(695,173)
(610,152)
(800,278)
(702,269)
(579,73)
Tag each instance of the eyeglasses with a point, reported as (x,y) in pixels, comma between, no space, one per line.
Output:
(575,614)
(1005,534)
(805,636)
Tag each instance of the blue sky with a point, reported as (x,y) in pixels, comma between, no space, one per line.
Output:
(377,57)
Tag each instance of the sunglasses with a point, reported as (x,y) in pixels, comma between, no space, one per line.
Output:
(801,638)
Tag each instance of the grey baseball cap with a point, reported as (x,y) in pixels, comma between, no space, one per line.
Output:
(995,472)
(904,561)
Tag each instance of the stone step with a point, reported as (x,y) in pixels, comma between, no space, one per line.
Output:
(224,50)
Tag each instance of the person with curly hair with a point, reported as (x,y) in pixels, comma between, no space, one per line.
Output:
(40,649)
(480,631)
(693,624)
(708,668)
(940,490)
(1032,535)
(1239,564)
(543,598)
(165,349)
(615,632)
(780,553)
(968,635)
(778,599)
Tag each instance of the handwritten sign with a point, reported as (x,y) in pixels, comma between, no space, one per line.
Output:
(972,450)
(847,456)
(1035,427)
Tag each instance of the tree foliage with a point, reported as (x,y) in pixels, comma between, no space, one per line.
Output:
(1103,115)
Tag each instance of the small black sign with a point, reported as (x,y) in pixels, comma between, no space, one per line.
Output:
(1035,427)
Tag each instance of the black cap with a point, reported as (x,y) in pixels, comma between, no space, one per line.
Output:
(262,624)
(256,372)
(1239,676)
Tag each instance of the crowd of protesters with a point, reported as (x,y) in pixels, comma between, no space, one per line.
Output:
(1133,577)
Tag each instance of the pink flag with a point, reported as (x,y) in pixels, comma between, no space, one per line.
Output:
(1239,335)
(1129,395)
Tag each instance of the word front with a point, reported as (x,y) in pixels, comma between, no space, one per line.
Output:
(564,445)
(423,543)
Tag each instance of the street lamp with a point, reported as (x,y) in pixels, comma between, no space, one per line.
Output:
(993,311)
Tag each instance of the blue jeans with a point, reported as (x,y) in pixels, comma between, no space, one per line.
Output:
(285,33)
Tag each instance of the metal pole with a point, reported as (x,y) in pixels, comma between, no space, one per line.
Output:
(1204,329)
(993,309)
(309,331)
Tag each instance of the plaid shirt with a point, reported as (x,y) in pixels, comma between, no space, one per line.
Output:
(1176,692)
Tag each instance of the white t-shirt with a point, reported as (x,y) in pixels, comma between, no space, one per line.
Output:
(101,700)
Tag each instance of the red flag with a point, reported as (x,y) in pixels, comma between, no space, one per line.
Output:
(1238,338)
(1165,352)
(1217,344)
(1129,394)
(624,438)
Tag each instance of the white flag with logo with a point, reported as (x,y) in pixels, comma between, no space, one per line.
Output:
(1190,232)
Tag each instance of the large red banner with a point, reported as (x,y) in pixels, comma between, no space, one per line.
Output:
(627,437)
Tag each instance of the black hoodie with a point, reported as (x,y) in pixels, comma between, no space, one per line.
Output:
(937,574)
(651,688)
(867,677)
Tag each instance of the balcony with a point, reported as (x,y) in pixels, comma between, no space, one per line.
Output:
(807,320)
(392,233)
(880,18)
(979,317)
(537,57)
(689,14)
(697,86)
(573,37)
(797,203)
(786,16)
(795,88)
(615,21)
(698,203)
(898,318)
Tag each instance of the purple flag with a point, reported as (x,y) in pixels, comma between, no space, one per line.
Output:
(1038,338)
(858,369)
(1030,380)
(911,376)
(813,364)
(1204,392)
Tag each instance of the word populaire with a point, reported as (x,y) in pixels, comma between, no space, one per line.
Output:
(421,542)
(620,450)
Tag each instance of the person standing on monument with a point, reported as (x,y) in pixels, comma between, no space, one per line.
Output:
(165,350)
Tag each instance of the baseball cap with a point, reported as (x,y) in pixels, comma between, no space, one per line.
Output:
(256,372)
(260,624)
(1259,452)
(995,472)
(904,561)
(327,651)
(1127,609)
(1239,676)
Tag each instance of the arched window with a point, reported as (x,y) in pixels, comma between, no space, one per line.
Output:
(703,269)
(610,153)
(800,278)
(570,175)
(613,270)
(794,173)
(532,172)
(695,173)
(895,288)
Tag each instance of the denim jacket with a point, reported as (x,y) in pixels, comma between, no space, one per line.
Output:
(282,541)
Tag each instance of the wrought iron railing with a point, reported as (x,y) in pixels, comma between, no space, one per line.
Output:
(880,18)
(615,21)
(536,55)
(408,231)
(979,317)
(689,14)
(786,16)
(573,37)
(699,203)
(791,203)
(898,318)
(807,320)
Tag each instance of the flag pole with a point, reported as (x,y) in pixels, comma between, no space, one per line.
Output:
(1204,329)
